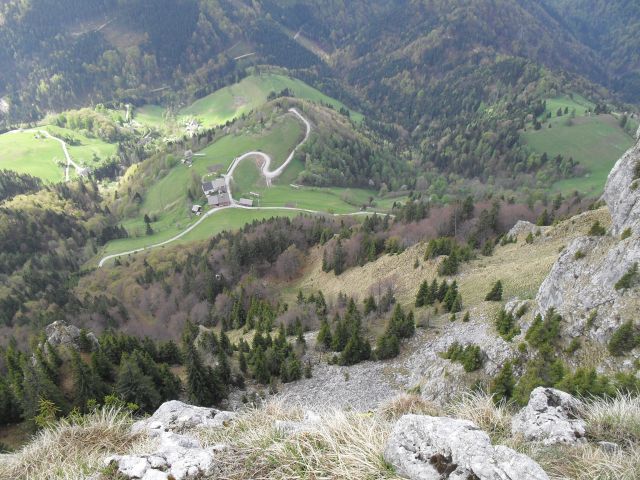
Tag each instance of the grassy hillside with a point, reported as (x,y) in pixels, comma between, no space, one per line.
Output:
(241,98)
(168,203)
(27,152)
(85,149)
(596,141)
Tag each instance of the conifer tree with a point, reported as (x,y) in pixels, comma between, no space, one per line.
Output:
(10,410)
(86,383)
(503,384)
(324,335)
(495,294)
(339,258)
(204,386)
(370,305)
(133,386)
(423,293)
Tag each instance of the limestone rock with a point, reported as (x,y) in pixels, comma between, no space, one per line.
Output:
(551,416)
(176,416)
(577,286)
(176,456)
(525,228)
(622,193)
(431,448)
(61,333)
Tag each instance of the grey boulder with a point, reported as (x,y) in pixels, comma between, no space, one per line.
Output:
(550,417)
(176,416)
(431,448)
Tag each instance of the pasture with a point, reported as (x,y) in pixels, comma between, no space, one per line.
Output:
(250,93)
(597,142)
(28,152)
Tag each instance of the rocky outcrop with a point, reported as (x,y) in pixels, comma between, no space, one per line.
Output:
(176,454)
(577,285)
(61,333)
(431,448)
(176,416)
(550,417)
(581,284)
(622,193)
(525,228)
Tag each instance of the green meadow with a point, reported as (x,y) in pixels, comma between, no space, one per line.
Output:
(87,148)
(247,95)
(28,152)
(596,141)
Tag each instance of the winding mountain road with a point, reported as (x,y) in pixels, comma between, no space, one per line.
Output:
(268,174)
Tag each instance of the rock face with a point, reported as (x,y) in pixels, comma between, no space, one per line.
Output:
(582,281)
(61,333)
(176,416)
(622,193)
(433,448)
(177,455)
(550,417)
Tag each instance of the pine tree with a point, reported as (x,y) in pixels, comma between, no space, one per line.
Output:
(260,370)
(451,295)
(223,368)
(37,386)
(442,291)
(387,346)
(370,305)
(495,294)
(133,386)
(86,383)
(339,258)
(242,361)
(423,293)
(324,335)
(204,386)
(10,411)
(503,384)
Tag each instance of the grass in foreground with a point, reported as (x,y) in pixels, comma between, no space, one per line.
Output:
(73,448)
(344,444)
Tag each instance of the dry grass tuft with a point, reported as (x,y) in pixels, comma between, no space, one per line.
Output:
(614,420)
(70,449)
(480,408)
(408,403)
(583,462)
(343,445)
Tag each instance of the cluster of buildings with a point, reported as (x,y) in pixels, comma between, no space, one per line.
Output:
(218,196)
(216,193)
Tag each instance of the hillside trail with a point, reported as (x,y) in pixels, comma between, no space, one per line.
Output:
(269,176)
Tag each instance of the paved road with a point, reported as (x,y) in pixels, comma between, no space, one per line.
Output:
(268,174)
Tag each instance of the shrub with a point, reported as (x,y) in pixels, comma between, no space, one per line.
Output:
(597,230)
(495,295)
(626,234)
(470,356)
(579,255)
(628,279)
(506,325)
(624,339)
(529,238)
